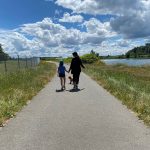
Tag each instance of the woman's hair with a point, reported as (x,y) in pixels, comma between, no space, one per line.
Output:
(75,54)
(61,63)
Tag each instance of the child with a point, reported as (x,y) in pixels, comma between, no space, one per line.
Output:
(61,74)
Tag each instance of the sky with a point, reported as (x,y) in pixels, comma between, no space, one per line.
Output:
(60,27)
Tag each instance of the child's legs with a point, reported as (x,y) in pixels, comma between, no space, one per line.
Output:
(61,81)
(64,81)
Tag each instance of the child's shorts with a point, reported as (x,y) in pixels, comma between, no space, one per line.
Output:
(61,75)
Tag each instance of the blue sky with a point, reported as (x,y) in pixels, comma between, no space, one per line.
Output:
(17,12)
(57,28)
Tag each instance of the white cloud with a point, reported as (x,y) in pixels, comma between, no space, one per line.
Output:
(52,34)
(95,26)
(15,43)
(100,6)
(123,43)
(57,12)
(132,16)
(45,37)
(74,18)
(132,26)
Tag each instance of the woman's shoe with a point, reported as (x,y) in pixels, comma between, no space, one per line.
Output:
(74,87)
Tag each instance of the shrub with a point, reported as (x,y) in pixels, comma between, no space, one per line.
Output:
(89,58)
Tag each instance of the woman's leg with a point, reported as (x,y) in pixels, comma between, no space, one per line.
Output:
(76,79)
(78,76)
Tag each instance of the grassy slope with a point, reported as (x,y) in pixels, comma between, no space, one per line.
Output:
(129,84)
(19,87)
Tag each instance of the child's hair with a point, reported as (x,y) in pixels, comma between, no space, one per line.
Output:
(61,63)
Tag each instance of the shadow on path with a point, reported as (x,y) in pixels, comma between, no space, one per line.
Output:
(71,90)
(76,90)
(60,90)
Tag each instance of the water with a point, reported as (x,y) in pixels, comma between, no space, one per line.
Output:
(129,62)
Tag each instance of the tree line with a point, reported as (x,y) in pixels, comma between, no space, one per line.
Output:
(139,52)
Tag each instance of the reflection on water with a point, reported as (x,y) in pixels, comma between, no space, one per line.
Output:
(129,62)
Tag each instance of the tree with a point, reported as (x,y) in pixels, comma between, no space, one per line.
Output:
(3,55)
(141,51)
(97,54)
(1,49)
(127,55)
(92,52)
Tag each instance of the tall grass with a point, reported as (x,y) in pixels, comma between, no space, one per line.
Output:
(129,84)
(17,88)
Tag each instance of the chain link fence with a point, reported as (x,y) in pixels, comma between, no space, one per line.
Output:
(15,63)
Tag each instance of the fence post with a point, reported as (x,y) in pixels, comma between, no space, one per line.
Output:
(34,61)
(18,62)
(26,62)
(31,62)
(5,64)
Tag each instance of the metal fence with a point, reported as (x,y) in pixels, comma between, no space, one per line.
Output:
(15,63)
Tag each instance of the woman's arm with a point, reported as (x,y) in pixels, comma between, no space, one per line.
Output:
(70,67)
(66,70)
(81,64)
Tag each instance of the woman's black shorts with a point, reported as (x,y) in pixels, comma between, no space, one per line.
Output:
(61,75)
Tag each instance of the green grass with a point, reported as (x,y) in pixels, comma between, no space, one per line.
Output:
(17,88)
(129,84)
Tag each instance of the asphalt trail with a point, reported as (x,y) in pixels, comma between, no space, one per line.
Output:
(88,119)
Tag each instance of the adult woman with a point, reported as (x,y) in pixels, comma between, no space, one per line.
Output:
(75,68)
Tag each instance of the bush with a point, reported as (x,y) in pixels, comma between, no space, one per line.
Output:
(89,58)
(67,60)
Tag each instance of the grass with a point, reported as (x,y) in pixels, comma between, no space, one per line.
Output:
(19,87)
(129,84)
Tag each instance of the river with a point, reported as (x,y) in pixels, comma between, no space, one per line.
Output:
(129,62)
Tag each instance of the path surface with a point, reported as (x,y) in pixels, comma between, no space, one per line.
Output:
(90,119)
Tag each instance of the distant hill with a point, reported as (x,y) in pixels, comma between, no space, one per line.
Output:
(139,52)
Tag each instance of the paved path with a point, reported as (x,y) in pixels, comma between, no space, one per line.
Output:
(90,119)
